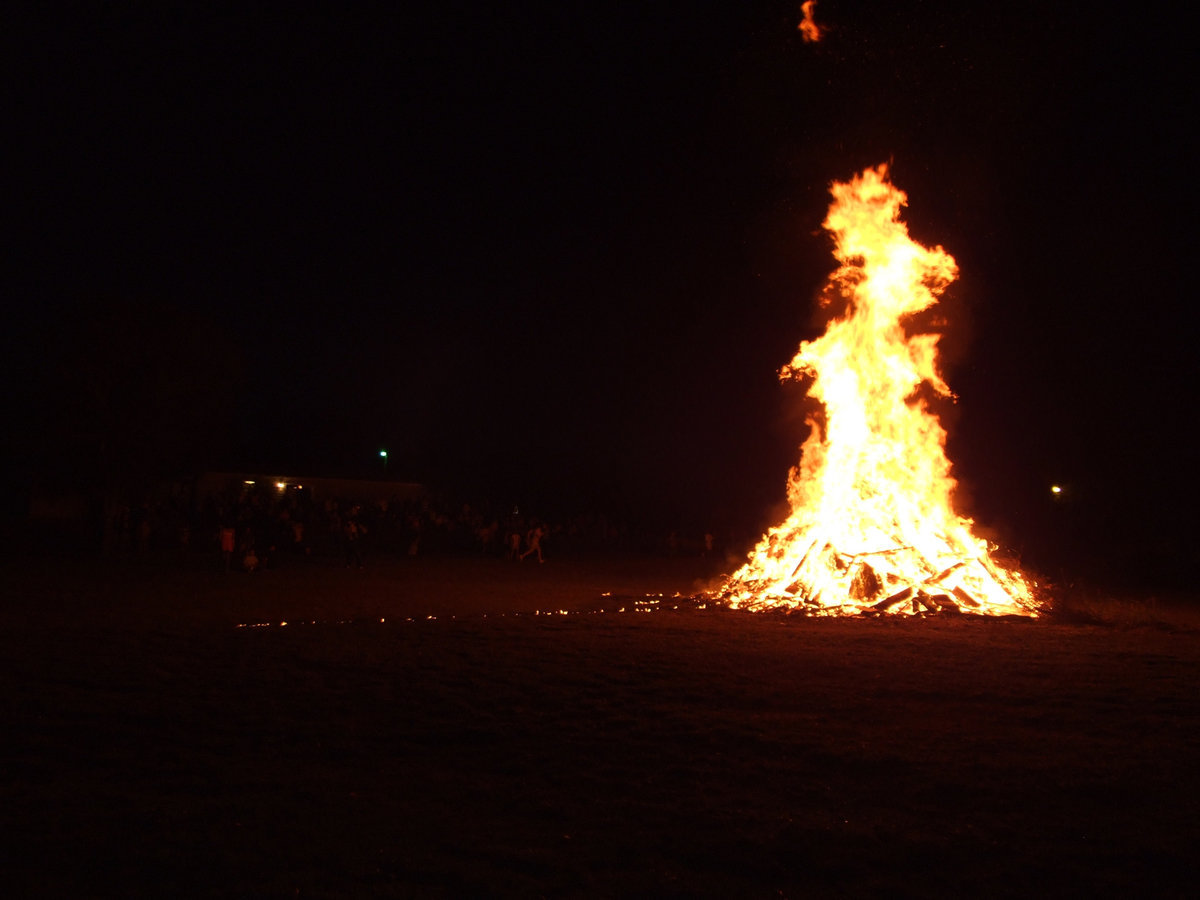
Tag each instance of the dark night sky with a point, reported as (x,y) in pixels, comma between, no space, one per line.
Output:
(559,250)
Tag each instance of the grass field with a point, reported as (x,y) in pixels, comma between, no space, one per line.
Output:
(415,730)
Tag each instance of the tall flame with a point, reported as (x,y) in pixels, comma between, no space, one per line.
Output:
(872,526)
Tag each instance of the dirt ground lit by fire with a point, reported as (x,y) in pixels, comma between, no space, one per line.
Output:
(151,747)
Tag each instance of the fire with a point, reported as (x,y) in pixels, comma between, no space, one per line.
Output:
(808,27)
(872,526)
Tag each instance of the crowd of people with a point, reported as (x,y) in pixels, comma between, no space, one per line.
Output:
(262,528)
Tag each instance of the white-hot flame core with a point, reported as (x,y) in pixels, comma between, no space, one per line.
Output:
(872,519)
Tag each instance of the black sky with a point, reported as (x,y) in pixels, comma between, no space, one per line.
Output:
(559,250)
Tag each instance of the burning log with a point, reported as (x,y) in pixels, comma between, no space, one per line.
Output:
(807,553)
(944,604)
(888,552)
(921,601)
(943,574)
(865,584)
(898,597)
(965,598)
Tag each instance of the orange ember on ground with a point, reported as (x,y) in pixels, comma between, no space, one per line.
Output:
(872,527)
(808,26)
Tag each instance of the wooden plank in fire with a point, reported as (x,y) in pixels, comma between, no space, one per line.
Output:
(944,573)
(864,583)
(804,558)
(916,592)
(964,597)
(991,570)
(942,603)
(898,597)
(923,600)
(887,552)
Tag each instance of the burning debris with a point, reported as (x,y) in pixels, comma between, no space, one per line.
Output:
(872,528)
(808,27)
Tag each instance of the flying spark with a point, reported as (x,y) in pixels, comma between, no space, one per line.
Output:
(808,27)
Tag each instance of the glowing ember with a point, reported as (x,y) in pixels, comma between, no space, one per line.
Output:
(872,527)
(808,26)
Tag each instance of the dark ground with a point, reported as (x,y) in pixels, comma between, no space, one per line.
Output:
(152,748)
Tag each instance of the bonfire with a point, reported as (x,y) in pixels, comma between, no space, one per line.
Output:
(872,527)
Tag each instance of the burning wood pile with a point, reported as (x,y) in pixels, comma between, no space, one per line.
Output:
(872,528)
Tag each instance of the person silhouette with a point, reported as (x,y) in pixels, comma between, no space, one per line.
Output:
(534,539)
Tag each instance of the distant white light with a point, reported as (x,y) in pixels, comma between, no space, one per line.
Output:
(281,485)
(1055,489)
(247,481)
